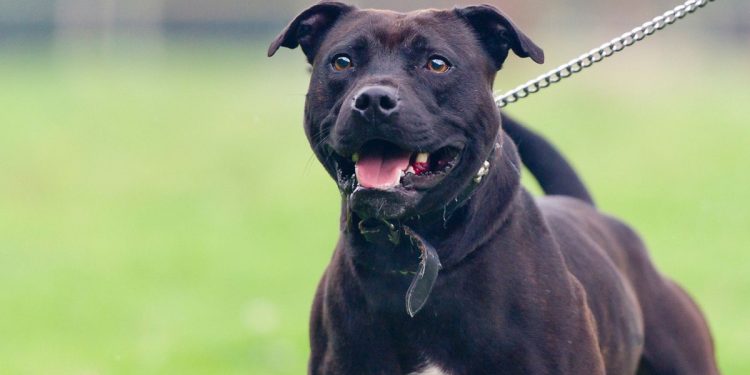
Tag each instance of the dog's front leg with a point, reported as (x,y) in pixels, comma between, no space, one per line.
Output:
(346,338)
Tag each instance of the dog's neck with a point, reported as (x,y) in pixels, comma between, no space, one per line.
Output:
(483,214)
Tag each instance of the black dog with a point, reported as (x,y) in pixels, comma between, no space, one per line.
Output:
(400,112)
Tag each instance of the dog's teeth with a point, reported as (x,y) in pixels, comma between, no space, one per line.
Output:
(355,157)
(422,157)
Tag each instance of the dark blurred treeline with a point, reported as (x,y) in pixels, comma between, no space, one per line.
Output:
(55,18)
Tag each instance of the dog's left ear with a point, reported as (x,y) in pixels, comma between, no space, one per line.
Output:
(498,34)
(309,28)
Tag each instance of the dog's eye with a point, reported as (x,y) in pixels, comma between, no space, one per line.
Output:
(341,62)
(438,64)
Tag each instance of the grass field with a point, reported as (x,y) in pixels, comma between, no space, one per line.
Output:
(161,213)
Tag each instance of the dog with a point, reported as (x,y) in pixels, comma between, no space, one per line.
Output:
(445,264)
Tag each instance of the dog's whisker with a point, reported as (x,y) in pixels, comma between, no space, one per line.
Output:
(309,163)
(513,166)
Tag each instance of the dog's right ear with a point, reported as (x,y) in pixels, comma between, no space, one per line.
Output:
(309,27)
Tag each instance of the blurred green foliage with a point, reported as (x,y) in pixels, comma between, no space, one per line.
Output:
(161,213)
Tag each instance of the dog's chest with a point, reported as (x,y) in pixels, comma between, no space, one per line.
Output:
(430,369)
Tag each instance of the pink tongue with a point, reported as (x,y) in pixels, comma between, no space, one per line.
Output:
(379,168)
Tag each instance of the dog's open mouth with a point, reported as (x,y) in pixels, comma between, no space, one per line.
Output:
(383,165)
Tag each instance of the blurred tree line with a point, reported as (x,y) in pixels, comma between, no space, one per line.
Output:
(65,18)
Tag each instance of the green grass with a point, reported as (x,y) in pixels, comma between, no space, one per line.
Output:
(162,213)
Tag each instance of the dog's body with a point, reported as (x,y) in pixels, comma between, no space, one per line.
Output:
(528,286)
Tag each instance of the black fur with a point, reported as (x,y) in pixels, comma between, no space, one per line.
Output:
(528,286)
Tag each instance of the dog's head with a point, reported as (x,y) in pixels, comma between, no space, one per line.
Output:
(400,109)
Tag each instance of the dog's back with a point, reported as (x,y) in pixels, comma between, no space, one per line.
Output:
(675,338)
(660,314)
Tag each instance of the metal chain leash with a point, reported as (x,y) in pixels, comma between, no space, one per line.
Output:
(598,54)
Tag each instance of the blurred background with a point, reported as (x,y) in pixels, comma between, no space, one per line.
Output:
(161,212)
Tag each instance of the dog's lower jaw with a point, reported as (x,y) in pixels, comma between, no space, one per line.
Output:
(402,249)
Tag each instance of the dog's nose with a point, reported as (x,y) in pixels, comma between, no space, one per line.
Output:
(375,100)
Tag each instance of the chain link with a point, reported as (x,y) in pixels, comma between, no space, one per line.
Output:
(602,52)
